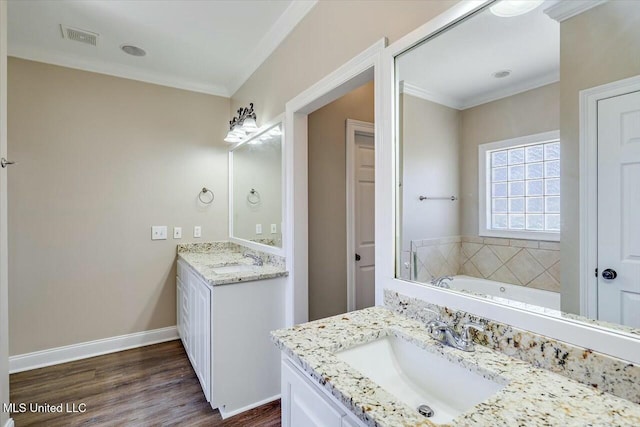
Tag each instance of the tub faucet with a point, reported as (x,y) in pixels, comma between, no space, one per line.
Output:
(256,259)
(443,332)
(441,282)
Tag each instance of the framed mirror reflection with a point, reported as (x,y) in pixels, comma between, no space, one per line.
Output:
(518,143)
(255,181)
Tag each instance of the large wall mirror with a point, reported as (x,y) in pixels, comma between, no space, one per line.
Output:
(255,196)
(493,155)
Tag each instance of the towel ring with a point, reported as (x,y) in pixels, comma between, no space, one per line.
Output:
(204,191)
(253,197)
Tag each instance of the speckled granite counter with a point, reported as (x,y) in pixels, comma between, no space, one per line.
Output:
(207,258)
(532,396)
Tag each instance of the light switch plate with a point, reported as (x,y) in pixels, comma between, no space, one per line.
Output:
(258,228)
(177,232)
(158,232)
(197,231)
(274,230)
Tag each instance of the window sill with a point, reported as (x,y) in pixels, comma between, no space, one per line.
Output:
(521,235)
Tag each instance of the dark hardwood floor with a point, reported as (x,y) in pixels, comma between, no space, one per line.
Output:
(148,386)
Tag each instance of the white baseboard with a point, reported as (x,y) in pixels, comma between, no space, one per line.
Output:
(9,423)
(69,353)
(227,414)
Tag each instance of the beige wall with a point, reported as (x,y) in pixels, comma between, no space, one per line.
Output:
(596,47)
(327,199)
(430,167)
(101,159)
(526,113)
(330,35)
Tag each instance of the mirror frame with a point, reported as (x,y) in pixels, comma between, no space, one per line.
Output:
(595,337)
(279,120)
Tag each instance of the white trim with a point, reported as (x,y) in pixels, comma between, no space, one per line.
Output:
(69,353)
(597,338)
(353,127)
(438,98)
(356,72)
(589,186)
(224,414)
(484,192)
(279,120)
(565,9)
(448,101)
(9,423)
(289,19)
(116,70)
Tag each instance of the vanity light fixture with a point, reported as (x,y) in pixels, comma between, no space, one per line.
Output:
(510,8)
(242,125)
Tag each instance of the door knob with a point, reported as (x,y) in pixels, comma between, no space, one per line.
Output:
(357,257)
(4,163)
(609,274)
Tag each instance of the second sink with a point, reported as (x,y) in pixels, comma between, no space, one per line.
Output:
(418,377)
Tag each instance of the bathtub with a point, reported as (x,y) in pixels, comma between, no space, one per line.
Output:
(506,293)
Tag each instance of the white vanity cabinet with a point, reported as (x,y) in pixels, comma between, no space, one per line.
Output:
(305,403)
(225,330)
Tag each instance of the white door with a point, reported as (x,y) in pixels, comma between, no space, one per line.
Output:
(619,209)
(364,225)
(4,306)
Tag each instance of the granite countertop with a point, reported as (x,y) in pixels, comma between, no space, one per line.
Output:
(205,258)
(531,397)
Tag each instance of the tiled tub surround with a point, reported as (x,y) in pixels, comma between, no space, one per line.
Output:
(531,397)
(531,263)
(596,370)
(206,257)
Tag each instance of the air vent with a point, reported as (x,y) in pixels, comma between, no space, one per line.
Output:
(82,36)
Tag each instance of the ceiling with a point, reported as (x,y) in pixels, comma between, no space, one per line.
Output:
(208,46)
(456,68)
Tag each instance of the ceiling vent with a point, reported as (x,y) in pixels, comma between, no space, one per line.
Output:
(82,36)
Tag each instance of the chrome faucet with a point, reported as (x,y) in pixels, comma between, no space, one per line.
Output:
(441,282)
(443,332)
(256,259)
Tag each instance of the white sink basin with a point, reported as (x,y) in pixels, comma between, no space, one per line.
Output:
(238,268)
(417,377)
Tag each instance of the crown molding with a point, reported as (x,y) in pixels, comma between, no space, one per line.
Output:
(565,9)
(116,70)
(417,91)
(289,19)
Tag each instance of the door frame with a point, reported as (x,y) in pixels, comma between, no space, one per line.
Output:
(353,127)
(361,69)
(588,127)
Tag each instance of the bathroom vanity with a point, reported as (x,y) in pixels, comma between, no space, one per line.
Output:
(377,367)
(228,300)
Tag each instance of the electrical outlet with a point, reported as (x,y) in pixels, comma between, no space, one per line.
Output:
(158,232)
(274,229)
(177,232)
(197,231)
(258,228)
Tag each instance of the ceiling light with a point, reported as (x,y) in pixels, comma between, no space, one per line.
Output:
(133,50)
(509,8)
(502,74)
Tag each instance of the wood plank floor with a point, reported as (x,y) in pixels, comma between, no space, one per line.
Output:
(148,386)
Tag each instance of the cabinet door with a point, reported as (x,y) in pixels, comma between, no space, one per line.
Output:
(202,339)
(303,404)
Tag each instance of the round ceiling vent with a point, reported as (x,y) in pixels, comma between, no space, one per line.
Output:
(133,50)
(502,74)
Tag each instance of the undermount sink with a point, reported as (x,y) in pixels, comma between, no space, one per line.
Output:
(418,377)
(236,268)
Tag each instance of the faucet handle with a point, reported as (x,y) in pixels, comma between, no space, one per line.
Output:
(471,325)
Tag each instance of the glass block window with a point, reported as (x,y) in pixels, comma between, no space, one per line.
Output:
(524,184)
